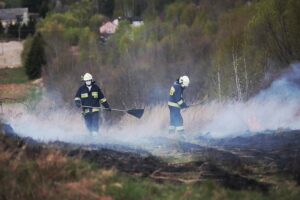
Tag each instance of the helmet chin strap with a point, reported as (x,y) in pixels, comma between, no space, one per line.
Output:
(181,84)
(88,83)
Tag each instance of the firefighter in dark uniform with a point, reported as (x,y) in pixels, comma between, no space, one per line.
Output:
(89,96)
(176,103)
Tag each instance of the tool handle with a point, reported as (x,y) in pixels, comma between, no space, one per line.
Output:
(114,109)
(201,102)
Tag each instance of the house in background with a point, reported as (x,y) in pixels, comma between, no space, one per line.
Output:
(14,19)
(12,15)
(136,21)
(109,27)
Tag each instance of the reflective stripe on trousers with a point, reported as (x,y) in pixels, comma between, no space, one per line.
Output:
(179,128)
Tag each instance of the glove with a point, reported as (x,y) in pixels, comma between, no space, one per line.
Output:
(106,106)
(78,103)
(184,105)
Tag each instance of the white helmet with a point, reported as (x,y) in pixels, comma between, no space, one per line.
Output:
(87,77)
(184,81)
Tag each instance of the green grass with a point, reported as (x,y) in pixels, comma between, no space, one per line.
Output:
(13,75)
(138,188)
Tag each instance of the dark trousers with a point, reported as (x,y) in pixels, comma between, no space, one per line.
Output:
(92,121)
(176,121)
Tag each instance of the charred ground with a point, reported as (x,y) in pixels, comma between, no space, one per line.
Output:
(256,162)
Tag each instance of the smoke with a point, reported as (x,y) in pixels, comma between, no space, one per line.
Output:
(49,122)
(276,107)
(45,123)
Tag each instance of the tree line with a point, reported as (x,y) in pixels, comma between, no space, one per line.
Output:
(230,49)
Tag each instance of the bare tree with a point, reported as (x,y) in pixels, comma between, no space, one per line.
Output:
(219,84)
(246,78)
(237,79)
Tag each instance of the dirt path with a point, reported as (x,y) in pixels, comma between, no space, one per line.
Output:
(14,91)
(10,54)
(19,92)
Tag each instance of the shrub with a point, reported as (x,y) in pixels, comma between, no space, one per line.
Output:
(35,58)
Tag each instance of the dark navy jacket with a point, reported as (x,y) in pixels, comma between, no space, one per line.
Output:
(176,96)
(91,98)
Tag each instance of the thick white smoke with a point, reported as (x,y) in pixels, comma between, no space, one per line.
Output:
(49,122)
(276,107)
(45,124)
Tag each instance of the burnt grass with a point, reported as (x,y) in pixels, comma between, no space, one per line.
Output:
(239,163)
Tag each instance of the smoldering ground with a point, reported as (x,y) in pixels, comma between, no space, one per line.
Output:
(276,107)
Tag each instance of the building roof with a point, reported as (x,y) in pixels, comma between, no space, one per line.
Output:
(12,13)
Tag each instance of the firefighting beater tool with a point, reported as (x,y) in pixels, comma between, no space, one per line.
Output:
(138,113)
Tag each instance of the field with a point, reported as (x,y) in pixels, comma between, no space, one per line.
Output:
(237,168)
(14,83)
(10,54)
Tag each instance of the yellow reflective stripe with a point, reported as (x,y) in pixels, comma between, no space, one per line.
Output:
(84,95)
(95,109)
(173,104)
(180,102)
(103,100)
(95,94)
(86,110)
(76,98)
(179,128)
(172,90)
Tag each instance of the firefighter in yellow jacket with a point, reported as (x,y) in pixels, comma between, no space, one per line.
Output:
(89,96)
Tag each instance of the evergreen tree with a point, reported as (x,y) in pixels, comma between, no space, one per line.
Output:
(106,7)
(12,3)
(1,30)
(28,29)
(35,58)
(38,6)
(13,30)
